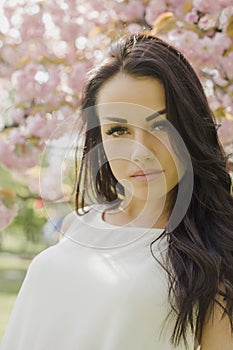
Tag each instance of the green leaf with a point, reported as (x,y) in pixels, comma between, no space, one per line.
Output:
(29,222)
(8,181)
(230,27)
(8,202)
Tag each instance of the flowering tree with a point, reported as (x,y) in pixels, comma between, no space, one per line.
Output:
(46,48)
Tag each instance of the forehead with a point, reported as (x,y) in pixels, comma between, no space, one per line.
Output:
(131,98)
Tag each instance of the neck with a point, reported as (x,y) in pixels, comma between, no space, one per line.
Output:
(140,213)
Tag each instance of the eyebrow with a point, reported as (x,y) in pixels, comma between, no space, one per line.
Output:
(156,115)
(148,119)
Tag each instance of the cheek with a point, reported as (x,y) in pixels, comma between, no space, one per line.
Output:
(118,167)
(117,149)
(173,166)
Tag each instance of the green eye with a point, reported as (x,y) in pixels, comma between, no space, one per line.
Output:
(162,125)
(117,131)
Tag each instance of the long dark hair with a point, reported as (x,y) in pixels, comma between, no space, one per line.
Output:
(200,254)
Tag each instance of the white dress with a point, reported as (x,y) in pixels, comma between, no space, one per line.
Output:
(99,288)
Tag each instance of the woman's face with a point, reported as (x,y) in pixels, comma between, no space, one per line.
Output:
(135,136)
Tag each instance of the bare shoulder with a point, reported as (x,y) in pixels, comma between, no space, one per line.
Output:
(217,330)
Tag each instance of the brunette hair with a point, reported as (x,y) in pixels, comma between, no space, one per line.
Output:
(200,253)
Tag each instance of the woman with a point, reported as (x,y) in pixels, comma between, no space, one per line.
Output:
(149,263)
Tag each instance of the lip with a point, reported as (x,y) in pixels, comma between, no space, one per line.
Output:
(147,175)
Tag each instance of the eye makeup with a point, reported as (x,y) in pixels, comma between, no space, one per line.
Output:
(163,125)
(121,130)
(117,131)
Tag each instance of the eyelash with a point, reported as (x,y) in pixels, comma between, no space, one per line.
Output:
(124,130)
(162,123)
(115,129)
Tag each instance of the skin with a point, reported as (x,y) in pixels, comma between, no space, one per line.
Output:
(139,148)
(138,144)
(216,331)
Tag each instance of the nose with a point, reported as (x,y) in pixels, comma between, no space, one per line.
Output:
(141,147)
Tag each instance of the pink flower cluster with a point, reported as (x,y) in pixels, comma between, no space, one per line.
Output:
(7,215)
(17,153)
(48,47)
(34,83)
(225,132)
(8,209)
(209,6)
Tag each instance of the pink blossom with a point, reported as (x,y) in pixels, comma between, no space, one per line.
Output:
(34,83)
(225,132)
(72,4)
(39,126)
(6,154)
(16,137)
(227,102)
(61,116)
(226,62)
(70,54)
(46,182)
(5,88)
(8,12)
(51,185)
(60,49)
(24,80)
(186,40)
(44,73)
(17,115)
(225,99)
(97,5)
(225,18)
(206,6)
(134,28)
(219,79)
(56,12)
(177,6)
(16,153)
(6,70)
(48,91)
(77,76)
(154,9)
(208,21)
(203,52)
(69,30)
(51,178)
(225,3)
(7,215)
(209,50)
(28,50)
(208,56)
(64,121)
(221,41)
(191,17)
(38,204)
(11,55)
(31,178)
(174,3)
(128,12)
(32,26)
(214,102)
(50,126)
(64,112)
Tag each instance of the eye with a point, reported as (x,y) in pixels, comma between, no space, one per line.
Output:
(117,131)
(162,125)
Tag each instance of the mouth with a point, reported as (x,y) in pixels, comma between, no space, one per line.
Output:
(147,175)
